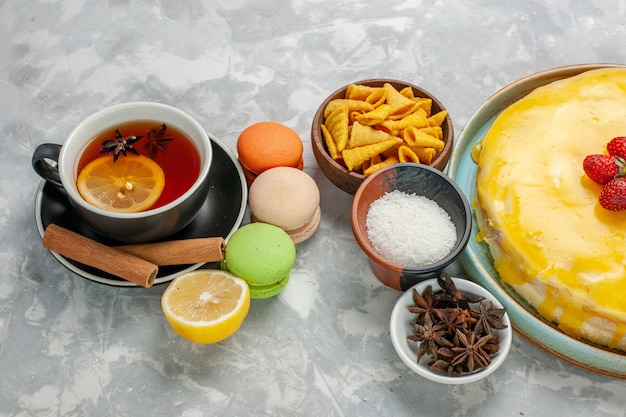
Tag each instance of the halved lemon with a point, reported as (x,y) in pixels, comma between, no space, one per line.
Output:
(128,185)
(206,305)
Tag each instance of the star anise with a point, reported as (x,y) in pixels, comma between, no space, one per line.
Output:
(488,318)
(424,304)
(445,367)
(120,145)
(444,363)
(454,297)
(156,141)
(430,337)
(452,319)
(472,351)
(453,331)
(466,316)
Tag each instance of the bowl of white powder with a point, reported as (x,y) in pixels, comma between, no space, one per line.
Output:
(412,221)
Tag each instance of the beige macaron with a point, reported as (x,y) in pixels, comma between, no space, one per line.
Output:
(288,198)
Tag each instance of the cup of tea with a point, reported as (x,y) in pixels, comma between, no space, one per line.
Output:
(173,147)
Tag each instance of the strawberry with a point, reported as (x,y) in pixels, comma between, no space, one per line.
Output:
(613,195)
(617,146)
(603,168)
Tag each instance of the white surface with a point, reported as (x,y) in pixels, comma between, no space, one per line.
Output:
(69,346)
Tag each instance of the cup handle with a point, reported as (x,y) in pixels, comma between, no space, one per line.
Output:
(45,162)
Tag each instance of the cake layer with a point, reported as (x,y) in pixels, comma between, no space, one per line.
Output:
(550,239)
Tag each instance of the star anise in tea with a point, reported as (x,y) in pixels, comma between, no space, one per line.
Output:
(156,141)
(120,145)
(455,329)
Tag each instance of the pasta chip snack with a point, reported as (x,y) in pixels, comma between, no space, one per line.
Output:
(370,124)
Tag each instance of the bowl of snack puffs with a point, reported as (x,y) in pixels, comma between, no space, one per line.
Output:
(370,124)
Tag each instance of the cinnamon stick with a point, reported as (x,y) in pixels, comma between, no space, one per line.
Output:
(89,252)
(179,252)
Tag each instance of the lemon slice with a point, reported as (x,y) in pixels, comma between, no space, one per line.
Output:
(128,185)
(206,306)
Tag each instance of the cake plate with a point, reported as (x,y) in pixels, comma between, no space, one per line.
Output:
(476,259)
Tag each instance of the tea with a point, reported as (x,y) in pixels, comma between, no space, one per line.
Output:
(167,146)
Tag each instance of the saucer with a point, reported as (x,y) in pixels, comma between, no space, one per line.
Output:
(221,214)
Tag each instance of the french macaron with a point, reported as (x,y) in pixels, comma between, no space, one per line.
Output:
(288,198)
(261,254)
(266,145)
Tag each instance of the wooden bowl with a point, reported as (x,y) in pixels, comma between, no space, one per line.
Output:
(350,181)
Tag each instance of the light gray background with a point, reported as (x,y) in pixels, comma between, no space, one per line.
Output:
(69,346)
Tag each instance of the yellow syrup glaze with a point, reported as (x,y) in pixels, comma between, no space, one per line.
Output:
(543,221)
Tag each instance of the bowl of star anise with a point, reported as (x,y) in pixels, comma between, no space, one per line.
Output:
(450,330)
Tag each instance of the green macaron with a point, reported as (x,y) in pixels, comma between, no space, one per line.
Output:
(261,254)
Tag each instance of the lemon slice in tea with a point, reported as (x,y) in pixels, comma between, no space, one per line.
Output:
(206,305)
(128,185)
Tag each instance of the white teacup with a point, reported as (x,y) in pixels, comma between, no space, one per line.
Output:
(59,164)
